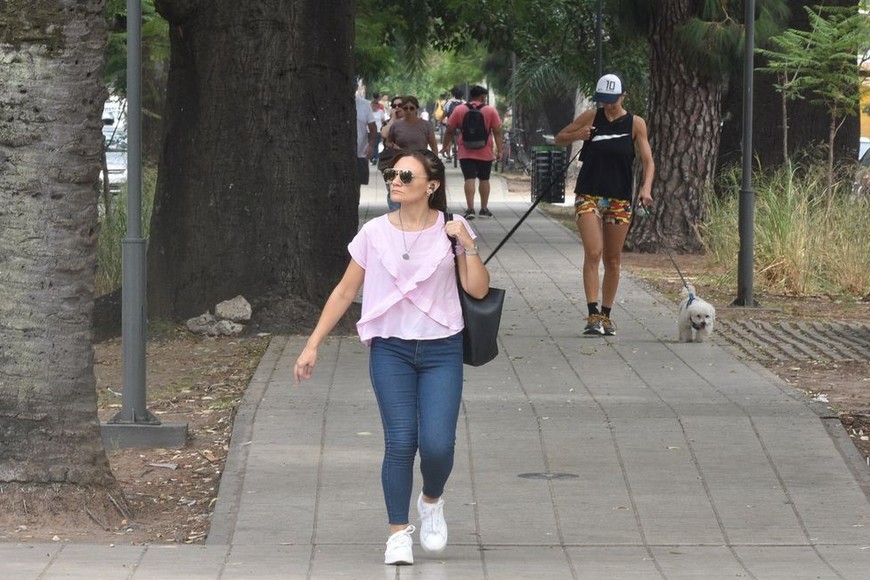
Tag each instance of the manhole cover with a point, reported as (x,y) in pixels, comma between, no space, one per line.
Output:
(548,475)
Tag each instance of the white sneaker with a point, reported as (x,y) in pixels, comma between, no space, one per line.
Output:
(433,528)
(399,548)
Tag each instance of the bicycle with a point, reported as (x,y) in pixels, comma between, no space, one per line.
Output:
(514,155)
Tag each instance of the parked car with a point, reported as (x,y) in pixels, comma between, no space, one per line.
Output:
(863,146)
(115,138)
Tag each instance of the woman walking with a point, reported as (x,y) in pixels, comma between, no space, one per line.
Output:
(410,132)
(605,185)
(412,321)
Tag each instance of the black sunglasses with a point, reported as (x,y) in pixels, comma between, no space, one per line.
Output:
(410,108)
(396,105)
(405,175)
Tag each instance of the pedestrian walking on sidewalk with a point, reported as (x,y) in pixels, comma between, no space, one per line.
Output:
(385,157)
(477,153)
(412,321)
(605,185)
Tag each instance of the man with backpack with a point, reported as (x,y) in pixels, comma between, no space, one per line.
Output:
(449,104)
(479,128)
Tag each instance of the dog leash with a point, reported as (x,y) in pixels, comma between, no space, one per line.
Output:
(533,206)
(643,213)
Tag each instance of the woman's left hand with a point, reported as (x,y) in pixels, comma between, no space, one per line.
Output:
(455,229)
(645,197)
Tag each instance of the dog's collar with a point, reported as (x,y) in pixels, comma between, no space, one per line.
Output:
(691,299)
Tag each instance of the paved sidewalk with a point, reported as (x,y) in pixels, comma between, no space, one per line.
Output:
(627,457)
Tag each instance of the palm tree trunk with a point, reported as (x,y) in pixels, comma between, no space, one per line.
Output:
(50,147)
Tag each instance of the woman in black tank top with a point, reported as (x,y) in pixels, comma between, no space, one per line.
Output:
(611,136)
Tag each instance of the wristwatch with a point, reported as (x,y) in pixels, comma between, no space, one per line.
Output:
(473,252)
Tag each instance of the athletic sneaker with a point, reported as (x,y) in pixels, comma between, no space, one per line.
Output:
(433,528)
(608,326)
(594,325)
(469,214)
(399,550)
(484,212)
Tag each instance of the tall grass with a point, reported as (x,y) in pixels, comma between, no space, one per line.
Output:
(807,241)
(113,229)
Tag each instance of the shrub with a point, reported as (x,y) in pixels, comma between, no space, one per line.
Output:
(806,240)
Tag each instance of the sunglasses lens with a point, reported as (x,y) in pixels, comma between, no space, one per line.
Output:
(405,175)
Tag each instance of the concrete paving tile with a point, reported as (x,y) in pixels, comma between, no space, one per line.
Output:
(456,562)
(693,562)
(25,561)
(533,563)
(825,494)
(750,501)
(794,563)
(267,561)
(91,562)
(351,562)
(188,562)
(613,563)
(852,561)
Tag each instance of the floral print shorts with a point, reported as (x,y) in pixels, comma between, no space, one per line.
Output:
(611,211)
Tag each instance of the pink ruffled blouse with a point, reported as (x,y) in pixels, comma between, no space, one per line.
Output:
(414,299)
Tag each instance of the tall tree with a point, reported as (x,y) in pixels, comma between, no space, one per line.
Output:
(694,46)
(52,457)
(767,135)
(819,65)
(256,187)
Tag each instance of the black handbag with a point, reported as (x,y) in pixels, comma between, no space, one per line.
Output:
(482,318)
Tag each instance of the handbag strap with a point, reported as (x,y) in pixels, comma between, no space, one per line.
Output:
(449,217)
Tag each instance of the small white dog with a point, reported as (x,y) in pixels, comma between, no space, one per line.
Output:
(696,317)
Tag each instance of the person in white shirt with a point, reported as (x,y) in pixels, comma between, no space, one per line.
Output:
(365,139)
(380,118)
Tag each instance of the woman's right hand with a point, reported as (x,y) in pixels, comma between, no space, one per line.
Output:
(305,364)
(587,132)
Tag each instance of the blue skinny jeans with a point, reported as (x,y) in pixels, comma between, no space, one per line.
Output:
(418,386)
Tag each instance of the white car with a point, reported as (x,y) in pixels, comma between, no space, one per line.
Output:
(116,157)
(863,146)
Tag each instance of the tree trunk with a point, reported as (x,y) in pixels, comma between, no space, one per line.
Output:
(50,148)
(684,120)
(256,188)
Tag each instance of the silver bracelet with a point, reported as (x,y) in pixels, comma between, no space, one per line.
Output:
(473,252)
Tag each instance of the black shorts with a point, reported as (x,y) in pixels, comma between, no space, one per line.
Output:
(362,171)
(475,169)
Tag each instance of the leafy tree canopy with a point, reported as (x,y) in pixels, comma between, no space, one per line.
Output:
(713,36)
(820,63)
(155,42)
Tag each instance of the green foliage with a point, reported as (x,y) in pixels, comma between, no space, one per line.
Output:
(820,63)
(553,42)
(442,70)
(713,37)
(113,229)
(806,241)
(155,43)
